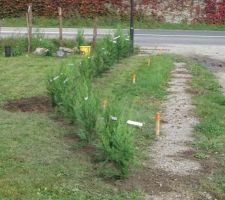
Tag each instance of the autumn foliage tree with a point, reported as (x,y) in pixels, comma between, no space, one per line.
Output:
(208,11)
(87,8)
(214,12)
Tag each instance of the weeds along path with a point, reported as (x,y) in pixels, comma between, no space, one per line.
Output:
(169,152)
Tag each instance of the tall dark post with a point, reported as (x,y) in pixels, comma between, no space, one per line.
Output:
(132,23)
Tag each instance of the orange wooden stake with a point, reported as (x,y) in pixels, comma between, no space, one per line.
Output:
(157,118)
(104,104)
(134,77)
(149,62)
(160,51)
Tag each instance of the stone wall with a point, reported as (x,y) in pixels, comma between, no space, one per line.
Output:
(174,11)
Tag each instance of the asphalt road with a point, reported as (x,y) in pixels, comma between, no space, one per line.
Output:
(143,37)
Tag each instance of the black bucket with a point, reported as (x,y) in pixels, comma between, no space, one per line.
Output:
(8,51)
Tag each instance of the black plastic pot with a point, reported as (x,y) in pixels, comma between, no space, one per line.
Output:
(8,51)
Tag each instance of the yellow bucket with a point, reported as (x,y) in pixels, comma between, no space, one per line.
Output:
(85,50)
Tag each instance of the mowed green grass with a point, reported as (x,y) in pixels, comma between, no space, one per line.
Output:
(107,22)
(26,76)
(210,132)
(38,158)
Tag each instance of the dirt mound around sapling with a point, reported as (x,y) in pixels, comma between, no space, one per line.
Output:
(32,104)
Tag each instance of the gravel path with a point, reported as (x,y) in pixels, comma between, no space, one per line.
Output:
(168,152)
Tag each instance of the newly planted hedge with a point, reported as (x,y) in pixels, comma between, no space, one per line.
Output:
(116,141)
(68,87)
(71,92)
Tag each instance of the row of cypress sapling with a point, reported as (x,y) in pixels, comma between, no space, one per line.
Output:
(71,92)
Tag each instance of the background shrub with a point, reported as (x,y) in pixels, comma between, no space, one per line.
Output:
(80,40)
(18,45)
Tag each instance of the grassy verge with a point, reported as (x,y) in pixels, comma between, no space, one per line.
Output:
(38,158)
(139,101)
(25,76)
(19,44)
(210,132)
(107,22)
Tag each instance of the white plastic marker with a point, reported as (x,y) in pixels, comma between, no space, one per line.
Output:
(114,118)
(104,104)
(115,38)
(149,61)
(86,98)
(57,77)
(71,64)
(130,122)
(65,81)
(139,124)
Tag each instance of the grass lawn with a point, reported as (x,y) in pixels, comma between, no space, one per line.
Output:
(39,158)
(26,76)
(210,132)
(107,22)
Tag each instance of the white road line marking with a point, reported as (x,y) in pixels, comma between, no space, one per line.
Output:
(136,34)
(192,36)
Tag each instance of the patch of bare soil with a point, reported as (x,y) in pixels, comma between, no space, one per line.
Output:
(33,104)
(153,181)
(71,138)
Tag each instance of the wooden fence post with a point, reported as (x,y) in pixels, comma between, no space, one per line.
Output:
(94,33)
(29,26)
(60,26)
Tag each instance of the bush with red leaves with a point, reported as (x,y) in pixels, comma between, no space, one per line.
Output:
(15,8)
(214,12)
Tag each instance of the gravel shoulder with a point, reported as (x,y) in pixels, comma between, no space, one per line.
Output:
(168,152)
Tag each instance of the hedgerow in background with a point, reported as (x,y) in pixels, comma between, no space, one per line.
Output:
(214,12)
(116,142)
(208,11)
(87,8)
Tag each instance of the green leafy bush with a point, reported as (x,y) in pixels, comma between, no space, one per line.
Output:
(87,106)
(80,40)
(18,45)
(123,45)
(116,141)
(41,42)
(87,68)
(72,93)
(71,90)
(62,90)
(110,50)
